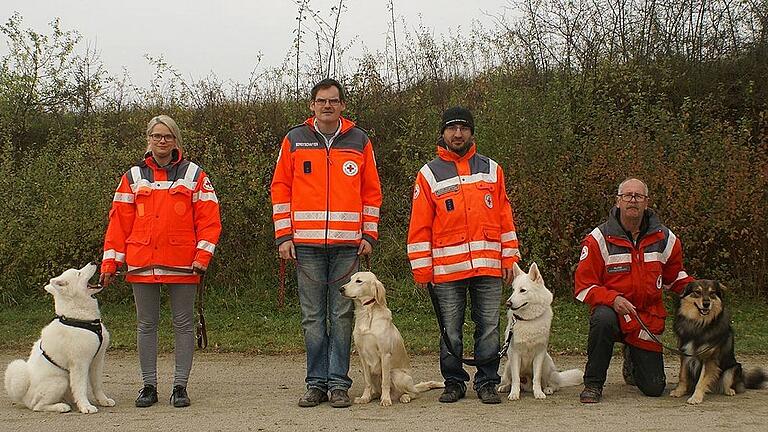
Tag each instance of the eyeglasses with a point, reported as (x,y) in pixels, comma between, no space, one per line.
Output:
(459,129)
(333,102)
(159,137)
(628,197)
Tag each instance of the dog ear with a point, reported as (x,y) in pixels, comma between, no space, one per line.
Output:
(721,290)
(54,285)
(380,293)
(516,270)
(534,273)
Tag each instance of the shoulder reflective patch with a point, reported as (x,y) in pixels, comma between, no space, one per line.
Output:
(350,168)
(416,191)
(584,253)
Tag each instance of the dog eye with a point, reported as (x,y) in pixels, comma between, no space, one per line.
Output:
(523,290)
(358,281)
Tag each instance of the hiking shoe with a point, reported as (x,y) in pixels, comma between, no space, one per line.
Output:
(179,397)
(488,395)
(313,397)
(627,368)
(147,396)
(452,393)
(339,398)
(591,394)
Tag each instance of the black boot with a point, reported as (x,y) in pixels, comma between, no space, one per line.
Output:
(147,396)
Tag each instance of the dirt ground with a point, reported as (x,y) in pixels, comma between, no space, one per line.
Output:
(235,392)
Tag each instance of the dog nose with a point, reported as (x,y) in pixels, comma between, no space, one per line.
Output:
(706,305)
(341,290)
(509,304)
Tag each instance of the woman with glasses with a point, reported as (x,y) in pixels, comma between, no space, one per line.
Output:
(164,225)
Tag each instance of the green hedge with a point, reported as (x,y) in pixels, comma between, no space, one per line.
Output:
(565,142)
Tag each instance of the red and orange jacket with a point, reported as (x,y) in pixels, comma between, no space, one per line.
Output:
(461,219)
(326,195)
(611,265)
(162,216)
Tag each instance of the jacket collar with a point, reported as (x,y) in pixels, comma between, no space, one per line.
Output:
(651,223)
(346,124)
(447,155)
(175,158)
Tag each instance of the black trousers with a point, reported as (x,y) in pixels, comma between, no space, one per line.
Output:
(647,366)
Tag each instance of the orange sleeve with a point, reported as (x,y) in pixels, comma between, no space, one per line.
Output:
(510,247)
(282,182)
(121,218)
(420,231)
(371,195)
(207,219)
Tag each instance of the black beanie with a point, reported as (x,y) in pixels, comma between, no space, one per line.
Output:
(458,115)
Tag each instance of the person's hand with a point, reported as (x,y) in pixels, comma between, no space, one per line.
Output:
(507,275)
(365,248)
(286,250)
(198,268)
(623,306)
(106,278)
(422,286)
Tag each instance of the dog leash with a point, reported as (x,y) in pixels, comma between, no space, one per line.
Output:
(201,334)
(449,346)
(299,268)
(667,347)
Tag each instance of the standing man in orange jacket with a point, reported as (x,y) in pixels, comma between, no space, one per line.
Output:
(326,197)
(462,238)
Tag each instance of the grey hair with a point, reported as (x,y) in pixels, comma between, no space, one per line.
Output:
(170,123)
(621,186)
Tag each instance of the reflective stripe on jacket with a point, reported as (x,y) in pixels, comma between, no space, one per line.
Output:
(461,219)
(611,265)
(162,216)
(326,195)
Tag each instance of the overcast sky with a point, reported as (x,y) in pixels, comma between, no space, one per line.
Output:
(227,37)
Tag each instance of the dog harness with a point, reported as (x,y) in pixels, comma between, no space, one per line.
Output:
(94,326)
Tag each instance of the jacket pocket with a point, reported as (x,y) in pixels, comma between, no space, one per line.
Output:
(139,237)
(450,239)
(186,238)
(492,234)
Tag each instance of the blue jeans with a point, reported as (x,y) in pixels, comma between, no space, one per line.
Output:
(485,296)
(327,317)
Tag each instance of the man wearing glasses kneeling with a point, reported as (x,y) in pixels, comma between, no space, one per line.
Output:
(623,266)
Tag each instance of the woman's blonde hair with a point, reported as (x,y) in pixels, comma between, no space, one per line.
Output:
(170,123)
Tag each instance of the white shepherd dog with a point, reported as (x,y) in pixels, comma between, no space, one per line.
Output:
(68,359)
(529,318)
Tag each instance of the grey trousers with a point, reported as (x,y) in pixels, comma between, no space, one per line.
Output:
(147,298)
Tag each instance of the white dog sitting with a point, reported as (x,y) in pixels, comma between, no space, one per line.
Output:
(529,318)
(68,359)
(385,362)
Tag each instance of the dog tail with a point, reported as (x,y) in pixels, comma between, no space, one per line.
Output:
(16,380)
(755,378)
(428,385)
(571,377)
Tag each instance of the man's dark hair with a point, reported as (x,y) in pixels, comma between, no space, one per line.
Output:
(324,84)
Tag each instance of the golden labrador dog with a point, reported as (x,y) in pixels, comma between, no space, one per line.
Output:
(386,365)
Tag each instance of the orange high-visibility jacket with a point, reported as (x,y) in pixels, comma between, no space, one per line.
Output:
(461,219)
(326,195)
(611,265)
(162,216)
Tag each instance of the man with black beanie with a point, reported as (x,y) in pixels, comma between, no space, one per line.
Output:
(462,238)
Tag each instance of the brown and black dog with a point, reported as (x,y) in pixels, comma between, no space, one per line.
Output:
(704,334)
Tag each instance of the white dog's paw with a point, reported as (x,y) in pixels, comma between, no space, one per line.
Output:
(385,402)
(405,398)
(730,392)
(88,409)
(106,402)
(549,390)
(695,399)
(362,400)
(514,394)
(61,407)
(503,388)
(538,394)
